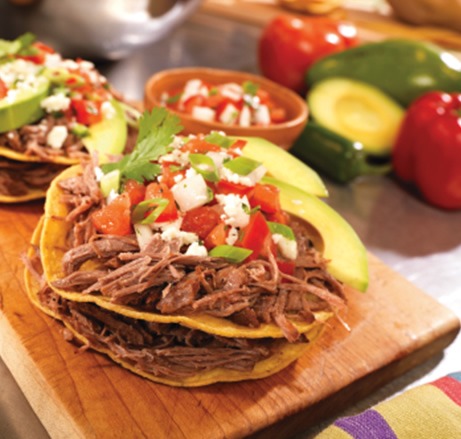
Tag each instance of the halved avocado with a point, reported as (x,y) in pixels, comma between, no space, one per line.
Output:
(282,165)
(24,108)
(108,137)
(341,245)
(358,111)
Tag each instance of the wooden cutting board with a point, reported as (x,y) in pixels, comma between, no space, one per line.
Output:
(372,22)
(394,326)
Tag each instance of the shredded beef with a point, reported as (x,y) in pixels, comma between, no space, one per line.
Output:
(159,278)
(19,178)
(164,350)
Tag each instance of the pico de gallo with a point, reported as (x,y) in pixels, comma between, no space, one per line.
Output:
(72,93)
(244,105)
(201,191)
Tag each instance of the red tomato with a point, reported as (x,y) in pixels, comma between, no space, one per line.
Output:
(280,217)
(87,112)
(161,190)
(193,101)
(287,267)
(135,190)
(168,175)
(254,235)
(267,197)
(3,89)
(201,221)
(226,187)
(290,44)
(216,237)
(200,146)
(115,218)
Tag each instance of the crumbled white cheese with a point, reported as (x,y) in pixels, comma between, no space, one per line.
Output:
(246,180)
(57,136)
(195,249)
(173,233)
(98,173)
(113,194)
(53,60)
(234,209)
(176,156)
(218,157)
(177,178)
(56,102)
(287,247)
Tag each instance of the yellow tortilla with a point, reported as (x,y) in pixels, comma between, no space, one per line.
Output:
(284,354)
(53,246)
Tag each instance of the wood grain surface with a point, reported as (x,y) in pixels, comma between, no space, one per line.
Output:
(371,25)
(394,326)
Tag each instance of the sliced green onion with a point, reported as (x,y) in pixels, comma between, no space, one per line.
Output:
(218,139)
(242,165)
(213,91)
(80,130)
(139,212)
(230,253)
(110,182)
(281,229)
(205,166)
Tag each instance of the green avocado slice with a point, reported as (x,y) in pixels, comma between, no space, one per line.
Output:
(25,108)
(341,245)
(109,136)
(283,166)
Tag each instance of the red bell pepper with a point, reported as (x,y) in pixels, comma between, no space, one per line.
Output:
(290,44)
(427,151)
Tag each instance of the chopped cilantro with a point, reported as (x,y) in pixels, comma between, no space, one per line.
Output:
(173,99)
(250,88)
(156,132)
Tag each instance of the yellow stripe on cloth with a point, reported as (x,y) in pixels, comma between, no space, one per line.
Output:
(424,412)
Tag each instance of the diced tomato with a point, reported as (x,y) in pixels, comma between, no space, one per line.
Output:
(42,47)
(280,217)
(201,221)
(115,218)
(254,236)
(193,101)
(227,187)
(285,266)
(87,112)
(267,197)
(168,175)
(135,190)
(3,89)
(263,95)
(216,237)
(200,146)
(161,190)
(278,114)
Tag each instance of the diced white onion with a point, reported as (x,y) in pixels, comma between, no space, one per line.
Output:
(203,113)
(143,234)
(190,192)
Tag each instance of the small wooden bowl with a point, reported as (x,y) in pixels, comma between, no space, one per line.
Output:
(282,134)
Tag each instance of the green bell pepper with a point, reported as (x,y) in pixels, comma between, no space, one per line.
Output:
(403,69)
(337,157)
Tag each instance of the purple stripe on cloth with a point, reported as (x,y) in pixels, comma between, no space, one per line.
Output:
(367,425)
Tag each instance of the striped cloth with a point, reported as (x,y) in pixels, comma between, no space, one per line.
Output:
(430,411)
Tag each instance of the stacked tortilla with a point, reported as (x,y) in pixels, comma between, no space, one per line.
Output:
(170,316)
(42,134)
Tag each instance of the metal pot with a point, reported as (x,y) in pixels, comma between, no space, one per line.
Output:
(94,29)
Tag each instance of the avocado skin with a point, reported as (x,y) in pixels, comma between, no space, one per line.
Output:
(403,69)
(24,111)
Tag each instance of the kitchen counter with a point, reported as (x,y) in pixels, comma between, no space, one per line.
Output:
(419,242)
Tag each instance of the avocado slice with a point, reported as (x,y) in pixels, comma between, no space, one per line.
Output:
(25,108)
(281,165)
(341,245)
(358,111)
(109,136)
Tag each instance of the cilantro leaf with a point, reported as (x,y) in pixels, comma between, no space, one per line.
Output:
(156,132)
(250,88)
